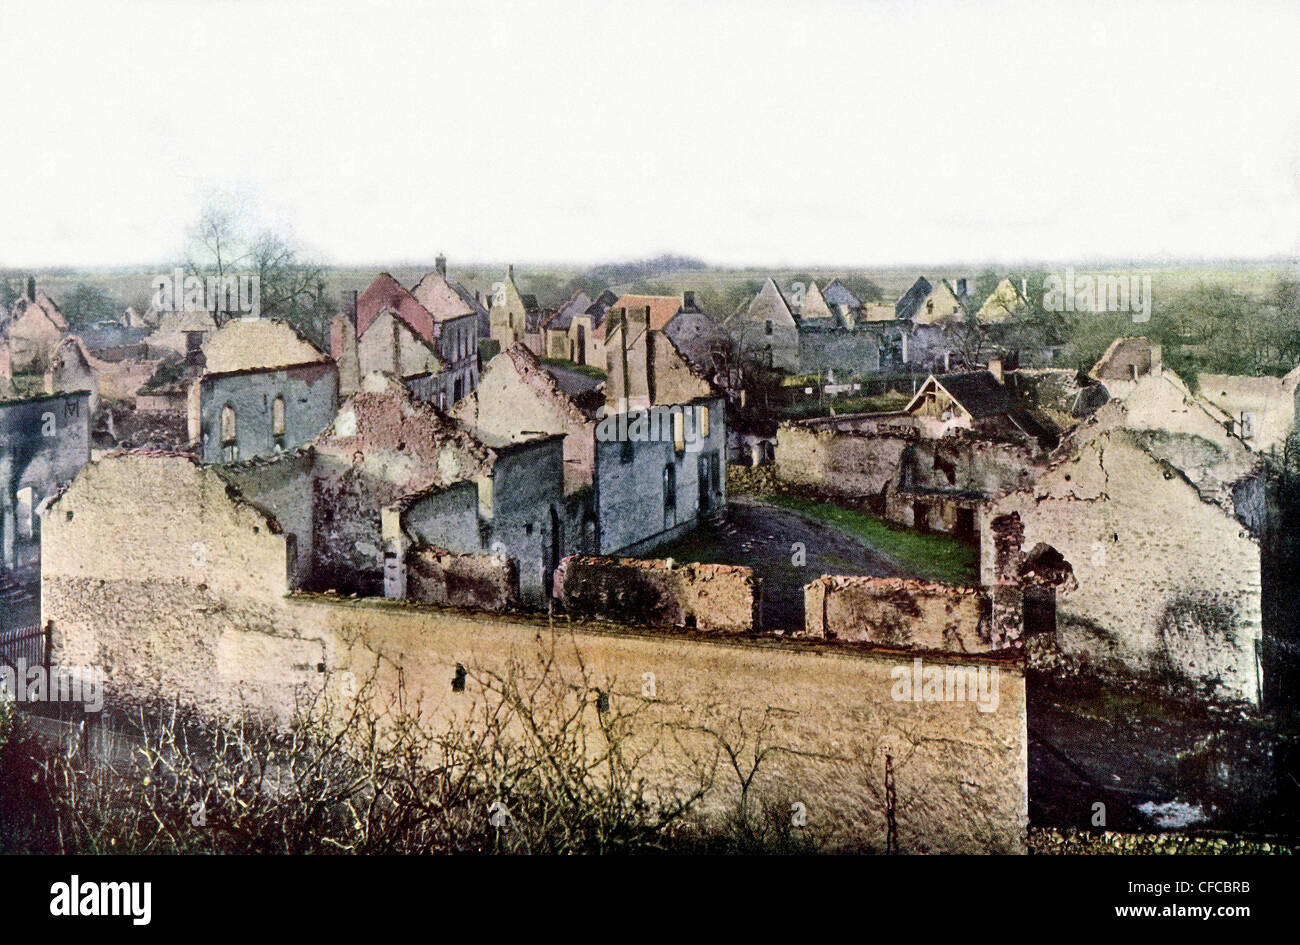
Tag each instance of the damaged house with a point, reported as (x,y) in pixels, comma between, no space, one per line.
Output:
(430,342)
(1141,541)
(264,390)
(963,440)
(660,443)
(392,473)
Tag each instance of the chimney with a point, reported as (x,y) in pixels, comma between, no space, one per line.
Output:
(31,288)
(995,368)
(688,299)
(349,303)
(1024,288)
(1155,360)
(510,271)
(961,288)
(440,263)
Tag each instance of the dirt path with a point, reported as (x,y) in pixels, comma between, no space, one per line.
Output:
(768,539)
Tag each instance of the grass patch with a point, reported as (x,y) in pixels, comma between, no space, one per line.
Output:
(932,557)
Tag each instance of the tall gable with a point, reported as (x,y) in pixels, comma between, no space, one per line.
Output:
(439,298)
(387,294)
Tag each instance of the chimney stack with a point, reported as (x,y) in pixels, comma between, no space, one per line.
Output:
(31,288)
(688,299)
(441,264)
(995,368)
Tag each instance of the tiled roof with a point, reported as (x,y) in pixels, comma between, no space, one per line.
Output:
(387,294)
(440,299)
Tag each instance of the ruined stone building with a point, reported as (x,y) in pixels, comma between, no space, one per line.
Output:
(1147,525)
(962,441)
(518,398)
(264,390)
(210,558)
(430,342)
(44,442)
(1007,301)
(766,330)
(564,338)
(661,441)
(35,328)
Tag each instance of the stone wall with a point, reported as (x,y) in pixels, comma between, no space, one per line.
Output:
(1164,582)
(657,593)
(851,464)
(847,353)
(309,393)
(960,774)
(482,582)
(899,613)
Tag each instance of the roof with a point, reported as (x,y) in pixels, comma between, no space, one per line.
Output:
(387,294)
(977,392)
(577,304)
(836,293)
(600,308)
(1123,352)
(248,343)
(662,308)
(911,301)
(440,299)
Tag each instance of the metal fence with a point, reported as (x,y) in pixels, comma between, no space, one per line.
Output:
(29,644)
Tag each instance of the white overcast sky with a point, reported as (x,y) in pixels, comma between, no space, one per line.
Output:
(783,132)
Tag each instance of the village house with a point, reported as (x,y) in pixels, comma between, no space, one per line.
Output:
(564,339)
(833,337)
(962,441)
(660,443)
(433,350)
(264,390)
(516,317)
(35,328)
(1141,543)
(766,330)
(1004,303)
(392,473)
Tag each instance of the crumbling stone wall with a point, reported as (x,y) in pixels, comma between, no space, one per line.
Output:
(1165,583)
(658,593)
(483,582)
(850,464)
(899,613)
(959,774)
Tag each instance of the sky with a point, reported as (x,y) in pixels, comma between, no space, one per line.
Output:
(793,132)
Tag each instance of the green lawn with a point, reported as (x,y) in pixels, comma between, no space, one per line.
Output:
(934,557)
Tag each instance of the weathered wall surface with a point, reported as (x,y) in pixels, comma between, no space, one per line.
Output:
(309,393)
(656,593)
(847,353)
(1167,583)
(1269,402)
(482,582)
(899,613)
(960,774)
(281,487)
(44,441)
(851,464)
(630,484)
